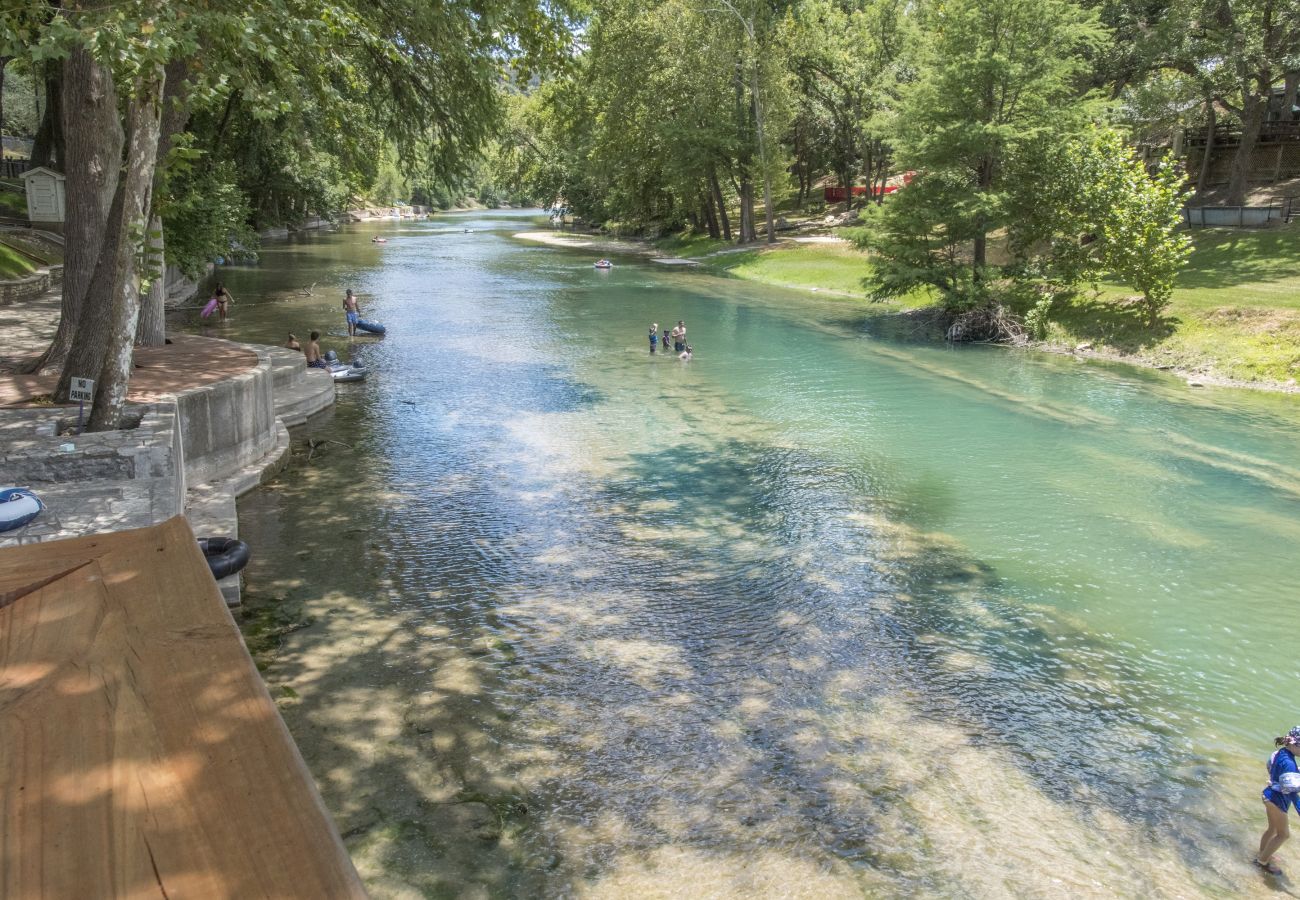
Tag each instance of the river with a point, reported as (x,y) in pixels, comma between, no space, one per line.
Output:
(816,613)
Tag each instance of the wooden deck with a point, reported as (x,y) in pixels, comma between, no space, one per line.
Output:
(140,754)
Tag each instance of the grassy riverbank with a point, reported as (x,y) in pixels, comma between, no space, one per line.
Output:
(1235,315)
(13,264)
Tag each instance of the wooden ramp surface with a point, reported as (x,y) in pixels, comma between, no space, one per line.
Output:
(140,754)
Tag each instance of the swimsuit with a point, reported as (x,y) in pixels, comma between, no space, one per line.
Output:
(1281,762)
(352,317)
(317,364)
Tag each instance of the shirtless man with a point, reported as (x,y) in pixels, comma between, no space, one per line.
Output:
(292,343)
(350,308)
(313,354)
(679,336)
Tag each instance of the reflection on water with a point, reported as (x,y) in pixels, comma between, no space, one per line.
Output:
(811,615)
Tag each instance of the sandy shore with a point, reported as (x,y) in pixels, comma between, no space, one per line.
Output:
(594,243)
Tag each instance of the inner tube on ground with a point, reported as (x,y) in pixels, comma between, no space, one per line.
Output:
(18,506)
(225,555)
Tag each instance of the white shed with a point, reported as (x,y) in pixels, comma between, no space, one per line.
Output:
(44,195)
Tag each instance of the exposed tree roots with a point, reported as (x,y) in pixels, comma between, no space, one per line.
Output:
(991,324)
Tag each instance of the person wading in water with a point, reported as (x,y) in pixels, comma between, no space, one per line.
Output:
(1281,792)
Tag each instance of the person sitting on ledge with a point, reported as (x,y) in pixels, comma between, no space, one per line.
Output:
(313,354)
(292,343)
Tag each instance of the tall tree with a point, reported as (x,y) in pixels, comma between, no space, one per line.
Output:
(1242,50)
(425,74)
(993,77)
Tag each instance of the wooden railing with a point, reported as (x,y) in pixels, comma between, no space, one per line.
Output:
(12,168)
(1236,216)
(1226,135)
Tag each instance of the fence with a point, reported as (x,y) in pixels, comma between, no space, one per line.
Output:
(1236,216)
(1228,134)
(12,168)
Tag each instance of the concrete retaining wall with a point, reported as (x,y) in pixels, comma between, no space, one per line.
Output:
(229,424)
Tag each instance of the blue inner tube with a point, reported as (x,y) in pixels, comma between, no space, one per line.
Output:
(225,555)
(372,327)
(18,506)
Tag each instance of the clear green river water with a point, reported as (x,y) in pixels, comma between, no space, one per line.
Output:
(816,613)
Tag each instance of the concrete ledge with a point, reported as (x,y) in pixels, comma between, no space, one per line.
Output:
(299,392)
(92,483)
(211,508)
(223,438)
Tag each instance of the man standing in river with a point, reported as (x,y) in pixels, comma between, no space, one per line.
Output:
(679,336)
(350,309)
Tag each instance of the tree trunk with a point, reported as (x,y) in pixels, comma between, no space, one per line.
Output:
(768,213)
(48,146)
(85,357)
(979,257)
(846,182)
(748,232)
(1291,87)
(4,64)
(175,114)
(711,217)
(151,331)
(145,120)
(94,159)
(1252,118)
(716,188)
(1212,119)
(882,171)
(869,169)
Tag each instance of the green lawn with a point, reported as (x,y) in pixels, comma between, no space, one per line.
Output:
(835,268)
(14,264)
(1236,310)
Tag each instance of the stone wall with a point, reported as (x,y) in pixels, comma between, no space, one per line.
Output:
(24,289)
(93,482)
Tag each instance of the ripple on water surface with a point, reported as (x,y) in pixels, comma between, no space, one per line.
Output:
(811,615)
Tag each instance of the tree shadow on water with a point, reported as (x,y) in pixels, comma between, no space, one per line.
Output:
(697,666)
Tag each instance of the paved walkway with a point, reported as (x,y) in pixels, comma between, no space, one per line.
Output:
(27,328)
(187,362)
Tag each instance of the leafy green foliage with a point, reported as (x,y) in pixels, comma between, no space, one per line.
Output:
(1091,208)
(207,215)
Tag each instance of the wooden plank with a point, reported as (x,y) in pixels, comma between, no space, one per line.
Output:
(141,753)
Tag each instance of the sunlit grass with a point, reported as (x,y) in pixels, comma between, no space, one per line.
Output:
(1236,310)
(14,264)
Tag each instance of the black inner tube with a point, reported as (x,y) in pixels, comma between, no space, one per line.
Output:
(225,555)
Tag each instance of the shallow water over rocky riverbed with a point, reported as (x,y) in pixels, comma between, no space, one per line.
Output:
(813,614)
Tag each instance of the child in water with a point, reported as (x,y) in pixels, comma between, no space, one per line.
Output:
(1282,791)
(654,337)
(685,354)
